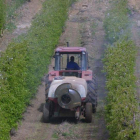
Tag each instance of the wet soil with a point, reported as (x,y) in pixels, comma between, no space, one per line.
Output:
(84,27)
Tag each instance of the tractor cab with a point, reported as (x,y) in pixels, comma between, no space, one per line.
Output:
(63,57)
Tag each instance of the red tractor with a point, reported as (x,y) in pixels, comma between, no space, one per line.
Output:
(70,92)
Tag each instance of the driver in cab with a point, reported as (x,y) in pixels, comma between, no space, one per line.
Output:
(72,65)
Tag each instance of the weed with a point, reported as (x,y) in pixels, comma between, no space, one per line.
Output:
(65,134)
(10,26)
(55,135)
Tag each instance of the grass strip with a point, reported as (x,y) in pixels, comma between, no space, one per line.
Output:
(122,105)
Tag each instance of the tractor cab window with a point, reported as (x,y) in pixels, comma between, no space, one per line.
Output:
(70,61)
(63,61)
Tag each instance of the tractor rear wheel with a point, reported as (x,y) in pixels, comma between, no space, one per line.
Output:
(46,112)
(92,93)
(88,112)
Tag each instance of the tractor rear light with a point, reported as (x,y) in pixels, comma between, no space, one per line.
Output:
(83,99)
(53,74)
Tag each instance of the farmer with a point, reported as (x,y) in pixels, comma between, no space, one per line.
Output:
(72,65)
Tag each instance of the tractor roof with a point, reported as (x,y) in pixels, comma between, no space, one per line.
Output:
(70,49)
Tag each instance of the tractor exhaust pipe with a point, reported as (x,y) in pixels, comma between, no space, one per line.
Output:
(67,44)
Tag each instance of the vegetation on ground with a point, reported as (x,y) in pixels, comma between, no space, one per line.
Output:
(11,7)
(122,105)
(2,14)
(7,13)
(24,63)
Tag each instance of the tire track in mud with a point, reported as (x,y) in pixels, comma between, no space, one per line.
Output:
(84,27)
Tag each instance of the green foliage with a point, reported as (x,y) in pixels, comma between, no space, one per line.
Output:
(24,63)
(2,14)
(116,20)
(122,105)
(13,93)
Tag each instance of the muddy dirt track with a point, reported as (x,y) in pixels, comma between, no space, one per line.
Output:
(84,27)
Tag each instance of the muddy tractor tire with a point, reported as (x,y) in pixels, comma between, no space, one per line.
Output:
(93,100)
(46,113)
(88,112)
